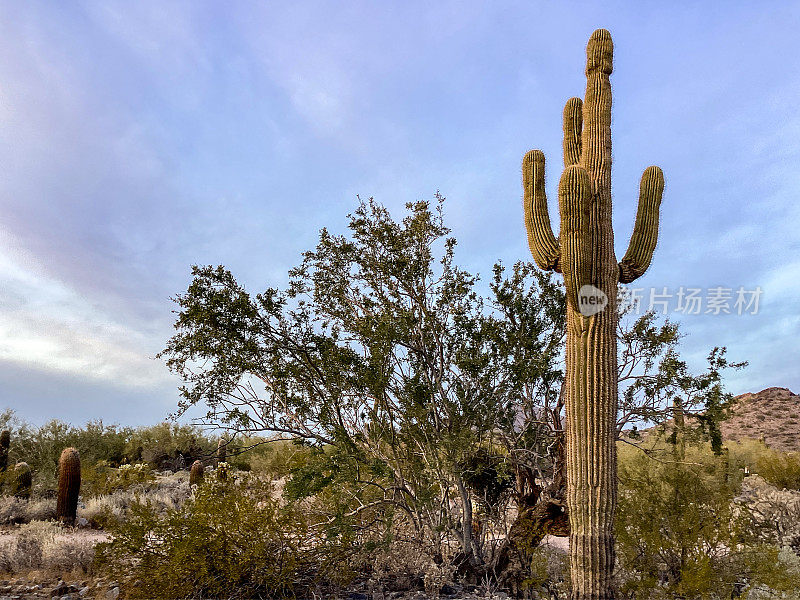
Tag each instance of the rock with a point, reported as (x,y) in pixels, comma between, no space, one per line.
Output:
(84,591)
(112,594)
(358,596)
(62,589)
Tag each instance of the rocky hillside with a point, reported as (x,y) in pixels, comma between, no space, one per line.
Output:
(772,414)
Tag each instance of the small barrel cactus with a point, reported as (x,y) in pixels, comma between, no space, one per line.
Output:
(23,480)
(222,451)
(69,485)
(222,471)
(5,443)
(196,473)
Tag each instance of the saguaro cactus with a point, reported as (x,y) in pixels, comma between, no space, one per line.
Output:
(584,253)
(196,473)
(5,443)
(23,480)
(222,451)
(69,485)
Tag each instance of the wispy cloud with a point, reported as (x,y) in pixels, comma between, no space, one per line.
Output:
(137,139)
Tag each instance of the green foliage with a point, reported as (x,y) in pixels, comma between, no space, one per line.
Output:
(781,469)
(230,540)
(22,481)
(101,479)
(489,477)
(275,459)
(657,386)
(680,534)
(101,447)
(41,447)
(381,356)
(165,442)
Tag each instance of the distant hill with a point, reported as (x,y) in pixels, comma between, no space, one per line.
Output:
(772,414)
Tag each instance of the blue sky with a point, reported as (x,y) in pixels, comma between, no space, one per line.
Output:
(139,138)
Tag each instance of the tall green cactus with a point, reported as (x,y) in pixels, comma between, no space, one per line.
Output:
(69,485)
(5,443)
(584,253)
(222,451)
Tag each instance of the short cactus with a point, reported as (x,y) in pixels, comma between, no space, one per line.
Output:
(196,473)
(222,471)
(5,443)
(222,451)
(69,485)
(584,253)
(23,480)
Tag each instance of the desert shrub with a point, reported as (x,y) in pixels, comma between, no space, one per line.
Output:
(30,542)
(781,469)
(549,576)
(775,513)
(44,546)
(789,563)
(165,442)
(680,534)
(15,510)
(275,459)
(101,479)
(163,494)
(41,447)
(231,539)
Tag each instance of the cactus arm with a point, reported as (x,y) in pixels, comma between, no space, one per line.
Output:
(645,231)
(573,123)
(574,201)
(542,242)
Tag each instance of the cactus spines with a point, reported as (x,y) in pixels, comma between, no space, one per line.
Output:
(5,443)
(584,253)
(23,480)
(196,473)
(222,451)
(69,485)
(222,471)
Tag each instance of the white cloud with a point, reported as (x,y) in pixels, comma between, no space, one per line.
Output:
(47,325)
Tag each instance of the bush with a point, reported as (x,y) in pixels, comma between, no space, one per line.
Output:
(43,546)
(231,539)
(775,513)
(781,469)
(162,444)
(100,479)
(680,533)
(15,510)
(275,459)
(168,493)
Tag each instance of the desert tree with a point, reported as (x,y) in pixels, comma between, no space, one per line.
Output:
(382,356)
